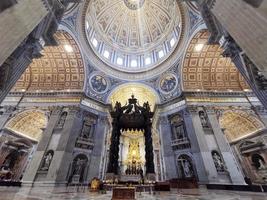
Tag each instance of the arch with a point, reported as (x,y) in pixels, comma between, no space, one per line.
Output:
(29,124)
(61,68)
(239,124)
(142,92)
(79,168)
(205,69)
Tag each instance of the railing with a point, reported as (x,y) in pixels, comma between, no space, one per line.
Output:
(182,143)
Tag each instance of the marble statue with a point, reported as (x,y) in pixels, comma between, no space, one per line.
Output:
(187,169)
(218,162)
(47,161)
(262,164)
(204,121)
(78,167)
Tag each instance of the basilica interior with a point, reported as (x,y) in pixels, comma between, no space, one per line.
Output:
(133,99)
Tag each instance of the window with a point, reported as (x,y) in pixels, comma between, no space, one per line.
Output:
(119,61)
(95,42)
(161,53)
(172,42)
(106,54)
(148,61)
(134,63)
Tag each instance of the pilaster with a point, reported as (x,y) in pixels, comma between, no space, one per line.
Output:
(210,170)
(225,149)
(34,165)
(168,155)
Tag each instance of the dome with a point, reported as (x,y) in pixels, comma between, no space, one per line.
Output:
(133,35)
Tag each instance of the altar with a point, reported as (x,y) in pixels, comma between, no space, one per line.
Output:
(121,193)
(131,154)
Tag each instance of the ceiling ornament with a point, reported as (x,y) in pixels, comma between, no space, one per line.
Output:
(133,35)
(168,83)
(99,83)
(134,4)
(60,68)
(239,124)
(204,68)
(29,124)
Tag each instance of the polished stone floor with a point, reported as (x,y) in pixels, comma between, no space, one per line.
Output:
(60,193)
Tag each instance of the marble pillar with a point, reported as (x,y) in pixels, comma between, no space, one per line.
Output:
(34,165)
(210,170)
(168,154)
(98,152)
(62,158)
(195,149)
(225,149)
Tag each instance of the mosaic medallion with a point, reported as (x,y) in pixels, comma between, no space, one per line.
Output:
(98,83)
(168,83)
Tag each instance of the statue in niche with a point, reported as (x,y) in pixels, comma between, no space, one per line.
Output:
(62,120)
(47,161)
(78,166)
(258,162)
(86,131)
(218,161)
(262,165)
(187,169)
(203,119)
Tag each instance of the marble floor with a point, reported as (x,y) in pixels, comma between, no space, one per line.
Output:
(60,193)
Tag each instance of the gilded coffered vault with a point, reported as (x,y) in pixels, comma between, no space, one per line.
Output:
(29,124)
(60,68)
(205,69)
(239,124)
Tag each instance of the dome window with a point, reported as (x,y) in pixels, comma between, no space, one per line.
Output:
(148,61)
(119,61)
(106,54)
(134,63)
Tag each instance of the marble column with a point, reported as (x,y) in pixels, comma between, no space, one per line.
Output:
(196,153)
(168,154)
(31,171)
(98,151)
(62,158)
(226,152)
(210,170)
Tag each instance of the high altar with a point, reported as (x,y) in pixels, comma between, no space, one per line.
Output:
(131,151)
(132,155)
